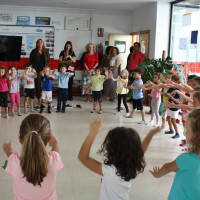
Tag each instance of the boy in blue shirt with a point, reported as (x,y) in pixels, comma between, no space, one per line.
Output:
(63,79)
(46,88)
(137,95)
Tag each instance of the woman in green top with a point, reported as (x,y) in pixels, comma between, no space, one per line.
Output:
(68,56)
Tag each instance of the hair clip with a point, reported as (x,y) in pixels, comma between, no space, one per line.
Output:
(35,132)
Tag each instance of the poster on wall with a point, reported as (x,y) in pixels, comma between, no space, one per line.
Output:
(30,35)
(183,43)
(23,20)
(194,36)
(6,17)
(186,19)
(121,45)
(43,21)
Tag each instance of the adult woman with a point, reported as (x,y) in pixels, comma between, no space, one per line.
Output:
(90,62)
(105,63)
(110,86)
(68,56)
(39,58)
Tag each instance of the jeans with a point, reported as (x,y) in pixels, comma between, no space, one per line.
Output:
(62,97)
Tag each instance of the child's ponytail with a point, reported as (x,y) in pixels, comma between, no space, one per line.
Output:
(34,132)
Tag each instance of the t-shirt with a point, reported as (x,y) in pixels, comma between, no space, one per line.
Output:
(14,85)
(25,190)
(90,60)
(97,82)
(176,96)
(30,77)
(3,84)
(63,79)
(156,93)
(46,83)
(63,54)
(165,99)
(113,60)
(120,86)
(137,93)
(113,187)
(186,185)
(135,59)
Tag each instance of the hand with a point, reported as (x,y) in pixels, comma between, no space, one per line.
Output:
(155,171)
(8,148)
(29,81)
(173,92)
(96,124)
(106,72)
(9,71)
(33,70)
(111,76)
(138,84)
(54,71)
(53,141)
(86,92)
(90,72)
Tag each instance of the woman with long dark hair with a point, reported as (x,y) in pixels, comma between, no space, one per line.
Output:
(68,56)
(39,58)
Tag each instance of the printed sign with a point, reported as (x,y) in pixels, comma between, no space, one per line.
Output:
(42,21)
(23,20)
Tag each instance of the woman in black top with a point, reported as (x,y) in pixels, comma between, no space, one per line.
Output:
(68,56)
(39,58)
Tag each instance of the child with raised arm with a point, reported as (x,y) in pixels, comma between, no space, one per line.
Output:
(14,85)
(46,88)
(4,91)
(34,170)
(29,86)
(122,91)
(123,155)
(137,95)
(96,82)
(63,79)
(186,183)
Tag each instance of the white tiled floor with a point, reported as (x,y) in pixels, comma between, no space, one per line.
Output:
(75,182)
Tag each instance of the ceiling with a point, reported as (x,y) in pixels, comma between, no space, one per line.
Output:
(123,5)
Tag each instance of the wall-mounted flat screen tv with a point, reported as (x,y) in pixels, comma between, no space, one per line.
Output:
(10,48)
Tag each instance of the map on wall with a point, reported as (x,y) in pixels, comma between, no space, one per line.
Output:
(30,34)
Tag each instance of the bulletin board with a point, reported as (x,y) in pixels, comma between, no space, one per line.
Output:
(79,40)
(30,34)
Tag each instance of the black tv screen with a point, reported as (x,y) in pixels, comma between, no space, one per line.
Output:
(10,48)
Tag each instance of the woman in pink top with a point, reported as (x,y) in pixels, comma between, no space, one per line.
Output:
(34,171)
(3,91)
(156,99)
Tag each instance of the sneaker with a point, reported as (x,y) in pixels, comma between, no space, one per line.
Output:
(142,122)
(12,114)
(127,114)
(176,136)
(7,117)
(93,111)
(57,111)
(155,125)
(100,112)
(150,123)
(169,132)
(117,113)
(63,111)
(68,106)
(37,107)
(25,112)
(19,114)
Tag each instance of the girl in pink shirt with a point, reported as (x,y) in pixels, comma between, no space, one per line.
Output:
(156,99)
(3,91)
(34,171)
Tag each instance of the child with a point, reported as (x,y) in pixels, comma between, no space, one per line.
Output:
(137,95)
(121,90)
(123,158)
(165,99)
(63,79)
(96,82)
(172,113)
(34,171)
(156,99)
(14,82)
(46,88)
(3,91)
(29,87)
(186,183)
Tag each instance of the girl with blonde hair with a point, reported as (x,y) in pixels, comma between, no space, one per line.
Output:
(34,171)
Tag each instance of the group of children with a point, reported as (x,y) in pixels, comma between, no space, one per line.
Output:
(10,82)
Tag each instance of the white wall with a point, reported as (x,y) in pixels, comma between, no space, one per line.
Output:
(145,19)
(162,29)
(112,21)
(156,18)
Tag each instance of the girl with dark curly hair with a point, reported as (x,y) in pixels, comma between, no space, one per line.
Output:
(123,158)
(186,183)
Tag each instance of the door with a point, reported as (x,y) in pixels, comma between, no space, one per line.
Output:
(123,43)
